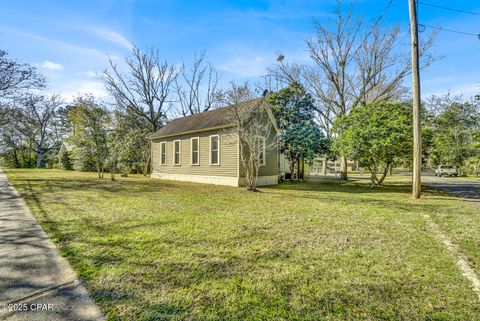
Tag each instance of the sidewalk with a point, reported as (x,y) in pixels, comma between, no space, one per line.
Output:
(36,283)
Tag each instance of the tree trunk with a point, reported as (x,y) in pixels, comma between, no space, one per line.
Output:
(303,169)
(29,155)
(292,169)
(39,157)
(343,168)
(15,158)
(385,172)
(373,177)
(97,165)
(298,170)
(324,165)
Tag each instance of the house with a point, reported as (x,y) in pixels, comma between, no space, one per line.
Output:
(65,148)
(205,148)
(66,155)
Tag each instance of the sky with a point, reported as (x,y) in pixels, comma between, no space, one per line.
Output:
(71,41)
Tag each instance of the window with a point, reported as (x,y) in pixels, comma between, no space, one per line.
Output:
(195,160)
(214,150)
(163,153)
(176,152)
(263,155)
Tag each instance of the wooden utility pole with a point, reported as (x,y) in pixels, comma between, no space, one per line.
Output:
(417,132)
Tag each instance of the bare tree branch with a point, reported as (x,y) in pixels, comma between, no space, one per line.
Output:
(145,88)
(16,77)
(252,128)
(197,88)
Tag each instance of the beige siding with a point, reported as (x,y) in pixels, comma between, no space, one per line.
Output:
(228,155)
(271,161)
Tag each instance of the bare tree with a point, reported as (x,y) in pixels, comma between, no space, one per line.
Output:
(197,88)
(252,128)
(354,64)
(16,76)
(145,88)
(5,114)
(36,119)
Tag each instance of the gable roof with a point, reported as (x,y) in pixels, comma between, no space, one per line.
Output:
(67,146)
(212,119)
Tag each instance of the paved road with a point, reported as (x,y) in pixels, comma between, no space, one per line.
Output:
(33,275)
(463,188)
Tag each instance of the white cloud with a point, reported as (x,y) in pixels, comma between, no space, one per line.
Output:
(85,51)
(80,87)
(89,74)
(111,36)
(50,65)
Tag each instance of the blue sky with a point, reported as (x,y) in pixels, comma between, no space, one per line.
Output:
(70,40)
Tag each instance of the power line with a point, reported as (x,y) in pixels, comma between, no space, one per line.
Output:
(451,9)
(451,30)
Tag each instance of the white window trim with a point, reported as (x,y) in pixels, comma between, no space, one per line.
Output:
(264,160)
(210,150)
(179,152)
(162,144)
(198,151)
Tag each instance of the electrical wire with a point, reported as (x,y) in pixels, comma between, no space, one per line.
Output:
(447,8)
(451,30)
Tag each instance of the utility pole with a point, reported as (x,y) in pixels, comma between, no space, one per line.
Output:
(417,132)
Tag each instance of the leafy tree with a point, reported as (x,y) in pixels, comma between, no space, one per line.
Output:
(90,121)
(37,123)
(65,161)
(453,128)
(302,143)
(16,78)
(377,135)
(29,138)
(125,151)
(294,111)
(354,62)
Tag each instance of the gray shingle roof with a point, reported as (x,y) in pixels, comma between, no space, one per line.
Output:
(210,119)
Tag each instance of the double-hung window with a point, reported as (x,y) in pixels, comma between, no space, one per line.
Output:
(214,150)
(163,153)
(176,152)
(195,152)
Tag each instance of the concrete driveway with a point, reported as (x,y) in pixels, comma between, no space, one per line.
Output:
(459,187)
(36,283)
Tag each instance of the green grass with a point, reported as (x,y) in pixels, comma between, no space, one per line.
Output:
(161,250)
(476,178)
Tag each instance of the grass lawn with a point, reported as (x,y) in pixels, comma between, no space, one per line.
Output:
(477,178)
(162,250)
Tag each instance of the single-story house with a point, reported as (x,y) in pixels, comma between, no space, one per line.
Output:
(65,148)
(205,148)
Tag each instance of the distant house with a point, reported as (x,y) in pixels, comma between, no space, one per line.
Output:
(66,156)
(201,148)
(65,148)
